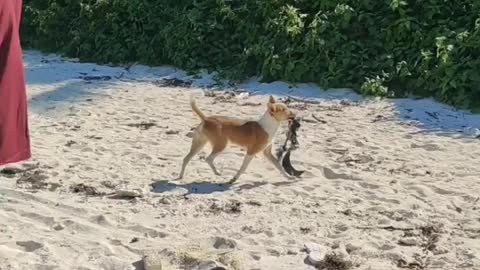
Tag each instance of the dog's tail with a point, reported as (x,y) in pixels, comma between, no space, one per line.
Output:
(196,109)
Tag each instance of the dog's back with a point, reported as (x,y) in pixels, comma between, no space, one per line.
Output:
(234,130)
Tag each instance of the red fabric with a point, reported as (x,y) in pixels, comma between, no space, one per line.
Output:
(14,137)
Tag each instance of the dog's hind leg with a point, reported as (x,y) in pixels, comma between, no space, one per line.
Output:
(198,142)
(216,150)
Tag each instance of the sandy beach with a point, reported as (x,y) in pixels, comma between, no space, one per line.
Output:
(389,184)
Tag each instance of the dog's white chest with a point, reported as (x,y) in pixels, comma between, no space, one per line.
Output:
(270,125)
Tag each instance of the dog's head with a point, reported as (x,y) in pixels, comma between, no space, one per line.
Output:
(279,111)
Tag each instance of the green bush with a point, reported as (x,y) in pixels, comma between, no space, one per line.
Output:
(388,48)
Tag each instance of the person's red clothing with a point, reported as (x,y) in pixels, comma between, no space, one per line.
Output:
(14,137)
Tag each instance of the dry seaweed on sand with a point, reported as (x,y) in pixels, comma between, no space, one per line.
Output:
(88,190)
(174,82)
(33,180)
(144,125)
(95,77)
(334,262)
(431,236)
(10,172)
(233,207)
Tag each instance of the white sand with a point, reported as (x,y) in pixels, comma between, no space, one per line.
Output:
(372,166)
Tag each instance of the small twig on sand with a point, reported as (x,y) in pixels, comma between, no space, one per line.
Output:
(318,119)
(129,66)
(307,120)
(388,228)
(433,115)
(120,76)
(53,125)
(143,125)
(413,265)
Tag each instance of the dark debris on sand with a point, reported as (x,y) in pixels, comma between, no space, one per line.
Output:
(70,143)
(305,230)
(233,207)
(172,83)
(431,236)
(411,265)
(334,262)
(134,240)
(87,190)
(10,172)
(144,125)
(36,180)
(172,132)
(226,97)
(96,78)
(251,104)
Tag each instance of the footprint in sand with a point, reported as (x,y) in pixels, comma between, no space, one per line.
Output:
(356,200)
(428,147)
(419,190)
(308,188)
(101,220)
(255,255)
(257,175)
(444,191)
(373,197)
(273,252)
(300,193)
(87,149)
(144,156)
(147,231)
(386,247)
(250,241)
(29,246)
(223,243)
(340,228)
(331,175)
(358,143)
(368,186)
(48,221)
(74,226)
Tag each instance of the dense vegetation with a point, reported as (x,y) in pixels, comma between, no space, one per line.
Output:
(379,47)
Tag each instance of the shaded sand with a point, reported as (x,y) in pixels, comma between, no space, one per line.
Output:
(389,183)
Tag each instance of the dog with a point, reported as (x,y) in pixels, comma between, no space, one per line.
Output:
(254,136)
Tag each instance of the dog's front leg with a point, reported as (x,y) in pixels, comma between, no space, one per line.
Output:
(268,154)
(246,161)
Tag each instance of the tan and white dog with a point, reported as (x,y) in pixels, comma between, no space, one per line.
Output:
(255,136)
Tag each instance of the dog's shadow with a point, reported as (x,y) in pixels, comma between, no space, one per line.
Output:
(166,186)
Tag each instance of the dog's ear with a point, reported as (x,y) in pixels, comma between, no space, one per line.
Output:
(271,107)
(271,99)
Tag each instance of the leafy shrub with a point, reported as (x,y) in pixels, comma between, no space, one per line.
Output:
(387,48)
